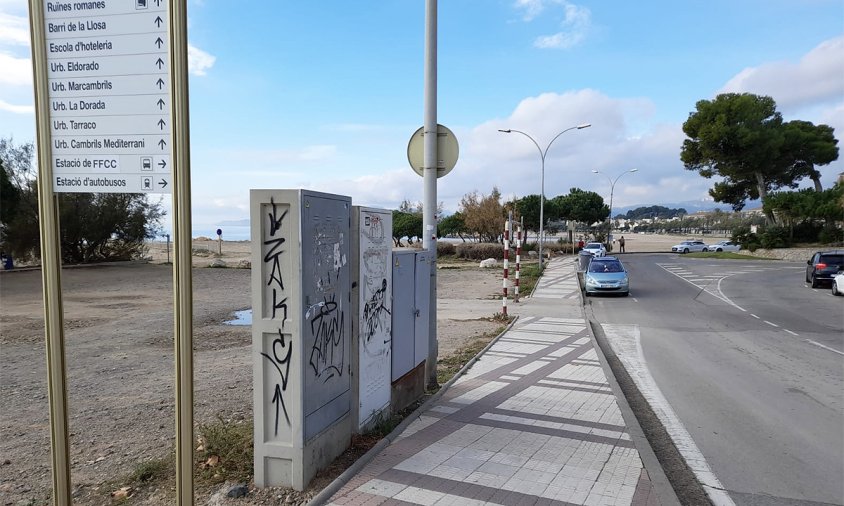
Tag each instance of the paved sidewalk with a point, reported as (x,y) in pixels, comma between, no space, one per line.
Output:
(533,422)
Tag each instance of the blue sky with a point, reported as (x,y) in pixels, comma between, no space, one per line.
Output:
(325,95)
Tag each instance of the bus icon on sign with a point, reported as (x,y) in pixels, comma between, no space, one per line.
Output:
(140,4)
(146,163)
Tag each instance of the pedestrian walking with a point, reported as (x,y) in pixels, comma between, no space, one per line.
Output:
(621,244)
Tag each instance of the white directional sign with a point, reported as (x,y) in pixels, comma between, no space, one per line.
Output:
(109,91)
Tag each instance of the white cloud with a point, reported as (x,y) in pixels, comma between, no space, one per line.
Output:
(199,61)
(14,30)
(818,77)
(532,8)
(575,27)
(623,136)
(575,24)
(16,71)
(17,109)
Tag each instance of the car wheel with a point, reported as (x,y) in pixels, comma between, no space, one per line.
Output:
(718,249)
(685,250)
(625,294)
(814,282)
(705,250)
(835,289)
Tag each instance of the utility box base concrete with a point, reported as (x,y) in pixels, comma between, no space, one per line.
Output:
(301,333)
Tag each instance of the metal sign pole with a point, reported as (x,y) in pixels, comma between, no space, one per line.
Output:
(182,263)
(50,267)
(429,204)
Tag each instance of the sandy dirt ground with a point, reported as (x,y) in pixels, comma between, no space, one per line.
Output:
(118,331)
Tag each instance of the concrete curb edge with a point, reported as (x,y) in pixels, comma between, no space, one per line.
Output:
(662,486)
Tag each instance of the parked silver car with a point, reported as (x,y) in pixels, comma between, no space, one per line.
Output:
(723,246)
(596,249)
(689,247)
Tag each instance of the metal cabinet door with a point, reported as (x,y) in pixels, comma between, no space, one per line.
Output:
(404,267)
(326,329)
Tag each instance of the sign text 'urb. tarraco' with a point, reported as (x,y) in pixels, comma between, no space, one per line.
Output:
(109,95)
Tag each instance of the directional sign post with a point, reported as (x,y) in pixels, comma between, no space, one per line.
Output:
(109,96)
(112,117)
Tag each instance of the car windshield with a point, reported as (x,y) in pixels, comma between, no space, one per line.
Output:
(593,245)
(604,266)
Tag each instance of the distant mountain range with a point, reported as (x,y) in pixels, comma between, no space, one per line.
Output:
(691,206)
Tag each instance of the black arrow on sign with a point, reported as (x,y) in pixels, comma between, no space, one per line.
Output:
(162,183)
(161,124)
(158,42)
(162,143)
(162,164)
(160,104)
(158,21)
(160,63)
(160,83)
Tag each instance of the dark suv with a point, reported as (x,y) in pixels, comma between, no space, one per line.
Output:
(823,266)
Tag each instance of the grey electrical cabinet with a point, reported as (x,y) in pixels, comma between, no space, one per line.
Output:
(411,310)
(301,333)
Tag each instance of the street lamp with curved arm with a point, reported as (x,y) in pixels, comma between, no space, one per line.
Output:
(612,190)
(542,155)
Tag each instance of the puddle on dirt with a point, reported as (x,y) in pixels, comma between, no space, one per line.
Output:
(241,318)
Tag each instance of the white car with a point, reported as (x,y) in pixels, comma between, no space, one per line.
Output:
(689,247)
(596,249)
(838,284)
(723,246)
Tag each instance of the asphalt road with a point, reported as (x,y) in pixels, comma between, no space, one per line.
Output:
(750,360)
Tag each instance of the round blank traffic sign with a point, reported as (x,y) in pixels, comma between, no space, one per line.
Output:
(447,151)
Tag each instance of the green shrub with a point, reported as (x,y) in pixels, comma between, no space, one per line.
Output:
(807,231)
(831,235)
(775,237)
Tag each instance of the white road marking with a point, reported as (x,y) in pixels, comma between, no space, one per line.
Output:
(823,346)
(753,315)
(626,341)
(792,333)
(771,324)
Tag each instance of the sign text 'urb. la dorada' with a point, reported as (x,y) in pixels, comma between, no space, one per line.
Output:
(109,95)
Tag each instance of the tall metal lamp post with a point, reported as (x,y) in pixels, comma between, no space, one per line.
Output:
(542,178)
(612,190)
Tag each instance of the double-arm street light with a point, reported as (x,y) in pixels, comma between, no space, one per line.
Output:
(612,189)
(542,178)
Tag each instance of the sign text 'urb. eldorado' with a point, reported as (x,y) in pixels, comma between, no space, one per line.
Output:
(109,90)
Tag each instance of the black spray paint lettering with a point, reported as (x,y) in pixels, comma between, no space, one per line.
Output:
(273,255)
(328,349)
(281,351)
(280,359)
(375,313)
